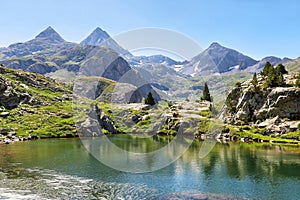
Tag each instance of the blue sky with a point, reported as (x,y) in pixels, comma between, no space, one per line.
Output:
(256,28)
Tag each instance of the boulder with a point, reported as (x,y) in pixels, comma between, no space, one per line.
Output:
(3,131)
(89,128)
(108,124)
(135,118)
(268,122)
(4,114)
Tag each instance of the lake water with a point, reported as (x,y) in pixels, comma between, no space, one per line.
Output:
(64,169)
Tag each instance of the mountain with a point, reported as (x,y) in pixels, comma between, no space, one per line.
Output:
(217,59)
(260,65)
(48,41)
(100,38)
(49,52)
(50,35)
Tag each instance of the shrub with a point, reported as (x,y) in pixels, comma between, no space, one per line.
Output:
(238,84)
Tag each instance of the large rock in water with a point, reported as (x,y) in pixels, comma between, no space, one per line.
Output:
(246,104)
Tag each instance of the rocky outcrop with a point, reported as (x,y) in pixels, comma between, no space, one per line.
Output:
(95,122)
(248,104)
(11,97)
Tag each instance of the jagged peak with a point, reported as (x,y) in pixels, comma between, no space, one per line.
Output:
(98,31)
(215,44)
(96,37)
(51,35)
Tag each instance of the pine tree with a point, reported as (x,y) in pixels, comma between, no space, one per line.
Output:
(254,80)
(267,68)
(281,69)
(206,94)
(280,80)
(149,99)
(271,79)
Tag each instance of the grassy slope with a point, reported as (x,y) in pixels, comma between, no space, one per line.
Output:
(54,119)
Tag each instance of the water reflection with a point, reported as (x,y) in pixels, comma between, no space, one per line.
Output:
(234,170)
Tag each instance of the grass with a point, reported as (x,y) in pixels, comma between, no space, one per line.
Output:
(50,117)
(259,133)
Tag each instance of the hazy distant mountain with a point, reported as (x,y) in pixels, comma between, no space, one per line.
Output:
(260,65)
(100,38)
(154,59)
(217,59)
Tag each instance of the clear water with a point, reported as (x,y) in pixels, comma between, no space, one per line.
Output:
(64,169)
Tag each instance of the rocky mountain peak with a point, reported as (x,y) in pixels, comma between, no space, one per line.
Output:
(100,38)
(50,35)
(97,37)
(98,31)
(217,59)
(215,45)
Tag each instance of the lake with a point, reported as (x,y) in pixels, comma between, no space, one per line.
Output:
(64,169)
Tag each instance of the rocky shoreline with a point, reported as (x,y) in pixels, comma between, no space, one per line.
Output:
(11,137)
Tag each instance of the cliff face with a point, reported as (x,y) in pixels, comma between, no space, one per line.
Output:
(248,104)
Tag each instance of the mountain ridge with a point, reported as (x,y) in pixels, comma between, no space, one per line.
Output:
(213,60)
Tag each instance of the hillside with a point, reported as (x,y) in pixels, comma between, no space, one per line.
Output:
(32,104)
(294,65)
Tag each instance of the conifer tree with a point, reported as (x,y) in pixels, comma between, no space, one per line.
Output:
(206,94)
(280,80)
(149,99)
(281,69)
(254,80)
(267,68)
(271,79)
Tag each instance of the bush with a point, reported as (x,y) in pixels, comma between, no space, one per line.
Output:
(238,84)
